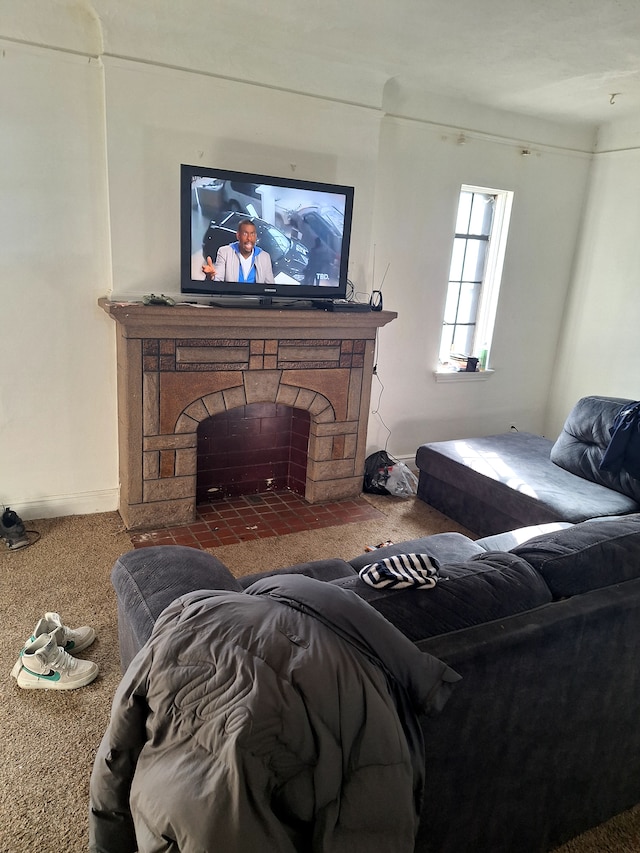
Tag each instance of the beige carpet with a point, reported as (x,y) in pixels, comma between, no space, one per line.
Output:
(49,738)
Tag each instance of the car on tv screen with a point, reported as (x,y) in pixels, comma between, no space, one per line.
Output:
(324,223)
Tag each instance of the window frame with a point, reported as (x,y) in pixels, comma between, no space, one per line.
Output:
(485,313)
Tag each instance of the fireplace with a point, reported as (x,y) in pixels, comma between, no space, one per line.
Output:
(180,366)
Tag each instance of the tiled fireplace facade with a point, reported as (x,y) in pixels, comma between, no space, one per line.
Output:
(179,366)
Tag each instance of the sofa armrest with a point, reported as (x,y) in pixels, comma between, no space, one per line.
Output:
(147,580)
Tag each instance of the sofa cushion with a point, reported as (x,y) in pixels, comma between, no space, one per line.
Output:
(444,547)
(486,587)
(587,556)
(510,478)
(508,541)
(322,570)
(584,438)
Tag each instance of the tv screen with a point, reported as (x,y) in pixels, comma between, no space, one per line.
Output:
(248,235)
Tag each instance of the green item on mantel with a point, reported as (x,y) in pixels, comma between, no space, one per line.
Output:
(152,299)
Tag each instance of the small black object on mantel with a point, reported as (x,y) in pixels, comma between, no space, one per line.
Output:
(346,305)
(376,300)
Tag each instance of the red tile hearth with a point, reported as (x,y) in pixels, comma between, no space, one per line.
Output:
(258,516)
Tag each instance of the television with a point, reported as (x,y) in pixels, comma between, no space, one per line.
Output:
(303,226)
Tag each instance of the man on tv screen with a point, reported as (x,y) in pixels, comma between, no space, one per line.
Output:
(242,260)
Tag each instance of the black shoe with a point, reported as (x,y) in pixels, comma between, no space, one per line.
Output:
(12,529)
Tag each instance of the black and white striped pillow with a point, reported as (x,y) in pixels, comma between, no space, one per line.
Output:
(404,570)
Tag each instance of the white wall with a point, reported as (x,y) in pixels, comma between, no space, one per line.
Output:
(158,118)
(416,209)
(599,351)
(57,376)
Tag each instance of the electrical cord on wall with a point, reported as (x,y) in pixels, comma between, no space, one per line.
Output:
(376,411)
(354,295)
(350,290)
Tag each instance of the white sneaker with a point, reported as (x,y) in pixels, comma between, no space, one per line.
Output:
(44,665)
(72,640)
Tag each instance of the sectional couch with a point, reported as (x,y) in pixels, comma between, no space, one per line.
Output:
(539,740)
(499,482)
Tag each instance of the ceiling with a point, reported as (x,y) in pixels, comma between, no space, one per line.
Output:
(575,61)
(559,59)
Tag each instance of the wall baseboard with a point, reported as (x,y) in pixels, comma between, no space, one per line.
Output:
(57,506)
(88,503)
(409,461)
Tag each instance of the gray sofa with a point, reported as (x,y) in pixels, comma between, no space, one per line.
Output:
(499,482)
(540,739)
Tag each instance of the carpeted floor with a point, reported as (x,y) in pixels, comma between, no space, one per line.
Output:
(49,738)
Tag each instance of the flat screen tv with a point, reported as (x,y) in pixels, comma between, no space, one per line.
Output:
(303,226)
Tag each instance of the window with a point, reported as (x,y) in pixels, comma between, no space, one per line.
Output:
(479,245)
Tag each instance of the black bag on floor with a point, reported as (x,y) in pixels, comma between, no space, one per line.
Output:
(376,472)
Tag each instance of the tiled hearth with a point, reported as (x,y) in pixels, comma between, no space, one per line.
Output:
(258,516)
(180,366)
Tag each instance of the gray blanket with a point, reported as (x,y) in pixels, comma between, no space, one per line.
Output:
(282,719)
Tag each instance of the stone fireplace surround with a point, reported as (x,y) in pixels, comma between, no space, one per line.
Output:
(178,366)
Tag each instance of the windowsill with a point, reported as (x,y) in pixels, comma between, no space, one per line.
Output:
(462,375)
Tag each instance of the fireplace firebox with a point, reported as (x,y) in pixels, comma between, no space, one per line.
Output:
(252,449)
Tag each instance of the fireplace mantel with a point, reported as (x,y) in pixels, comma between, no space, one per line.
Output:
(179,365)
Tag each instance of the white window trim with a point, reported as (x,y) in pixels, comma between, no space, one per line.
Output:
(487,309)
(462,375)
(495,263)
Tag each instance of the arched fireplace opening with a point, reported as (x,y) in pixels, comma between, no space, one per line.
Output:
(251,449)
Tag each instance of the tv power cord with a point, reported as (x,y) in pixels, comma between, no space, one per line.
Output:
(13,531)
